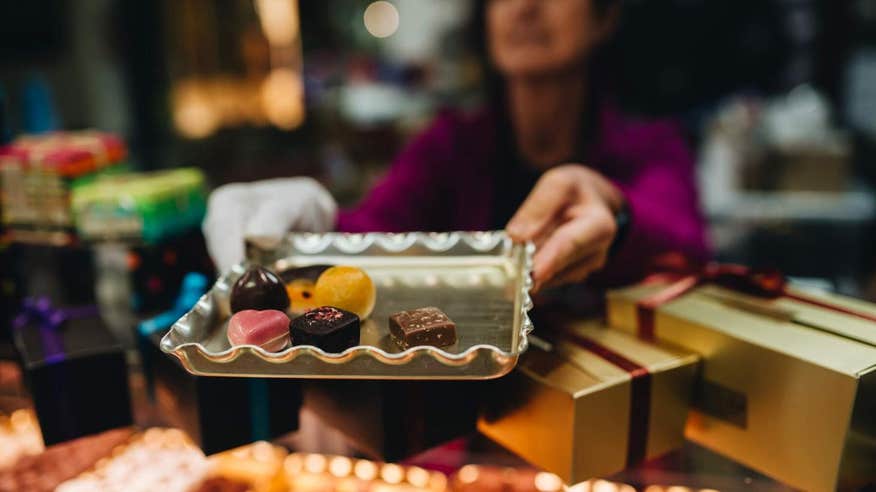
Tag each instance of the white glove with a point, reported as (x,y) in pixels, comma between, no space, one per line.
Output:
(263,208)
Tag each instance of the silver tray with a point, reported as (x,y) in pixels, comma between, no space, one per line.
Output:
(480,279)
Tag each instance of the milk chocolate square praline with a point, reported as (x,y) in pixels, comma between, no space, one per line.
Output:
(423,326)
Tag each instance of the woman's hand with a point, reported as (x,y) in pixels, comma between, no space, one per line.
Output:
(570,215)
(263,208)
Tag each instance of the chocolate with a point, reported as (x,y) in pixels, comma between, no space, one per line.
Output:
(326,327)
(259,289)
(423,326)
(268,329)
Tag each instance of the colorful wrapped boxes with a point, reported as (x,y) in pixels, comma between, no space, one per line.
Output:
(38,174)
(146,207)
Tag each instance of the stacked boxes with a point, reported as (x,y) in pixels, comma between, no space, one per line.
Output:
(38,174)
(789,377)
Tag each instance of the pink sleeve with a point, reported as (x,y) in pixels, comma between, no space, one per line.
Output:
(663,204)
(412,195)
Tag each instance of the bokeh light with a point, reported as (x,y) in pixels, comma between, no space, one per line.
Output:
(340,466)
(365,470)
(468,474)
(392,473)
(193,114)
(283,98)
(279,20)
(547,482)
(381,19)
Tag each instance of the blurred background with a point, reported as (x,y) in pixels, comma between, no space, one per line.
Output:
(777,97)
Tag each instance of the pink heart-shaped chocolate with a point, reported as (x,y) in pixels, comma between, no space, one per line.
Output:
(269,329)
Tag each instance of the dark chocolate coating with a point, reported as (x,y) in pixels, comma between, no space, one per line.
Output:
(310,272)
(329,328)
(259,289)
(423,326)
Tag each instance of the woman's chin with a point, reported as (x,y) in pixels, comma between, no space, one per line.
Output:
(536,67)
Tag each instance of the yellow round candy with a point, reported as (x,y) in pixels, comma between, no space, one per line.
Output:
(348,288)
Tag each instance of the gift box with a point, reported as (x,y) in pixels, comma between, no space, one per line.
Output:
(74,370)
(592,402)
(219,413)
(394,420)
(143,207)
(38,173)
(789,376)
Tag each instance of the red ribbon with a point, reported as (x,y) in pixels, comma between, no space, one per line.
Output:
(684,275)
(640,394)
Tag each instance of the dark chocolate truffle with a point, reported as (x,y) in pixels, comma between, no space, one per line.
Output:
(423,326)
(259,289)
(326,327)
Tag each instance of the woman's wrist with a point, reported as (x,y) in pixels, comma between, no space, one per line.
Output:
(623,220)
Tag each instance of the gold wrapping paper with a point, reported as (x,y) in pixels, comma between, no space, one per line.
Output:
(788,387)
(567,409)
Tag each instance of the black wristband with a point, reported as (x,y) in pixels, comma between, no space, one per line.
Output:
(622,219)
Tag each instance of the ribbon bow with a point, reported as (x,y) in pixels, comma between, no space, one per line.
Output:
(673,267)
(682,275)
(49,319)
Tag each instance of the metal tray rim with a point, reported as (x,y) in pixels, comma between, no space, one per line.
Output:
(313,243)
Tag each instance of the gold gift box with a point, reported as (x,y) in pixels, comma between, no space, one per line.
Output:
(788,385)
(568,408)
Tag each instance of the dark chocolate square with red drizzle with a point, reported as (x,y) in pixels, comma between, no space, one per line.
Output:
(423,326)
(329,328)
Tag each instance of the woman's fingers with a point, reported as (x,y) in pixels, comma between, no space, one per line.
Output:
(587,234)
(569,216)
(549,197)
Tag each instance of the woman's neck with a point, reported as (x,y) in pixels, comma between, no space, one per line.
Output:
(546,116)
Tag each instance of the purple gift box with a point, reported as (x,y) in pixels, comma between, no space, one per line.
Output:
(74,370)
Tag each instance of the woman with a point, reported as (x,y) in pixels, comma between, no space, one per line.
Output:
(551,158)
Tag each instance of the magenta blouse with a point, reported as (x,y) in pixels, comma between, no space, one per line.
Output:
(444,180)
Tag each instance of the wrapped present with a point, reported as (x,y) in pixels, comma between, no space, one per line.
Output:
(219,413)
(156,271)
(39,172)
(74,369)
(394,420)
(147,207)
(592,402)
(194,285)
(789,376)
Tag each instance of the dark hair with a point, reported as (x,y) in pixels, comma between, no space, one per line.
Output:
(598,63)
